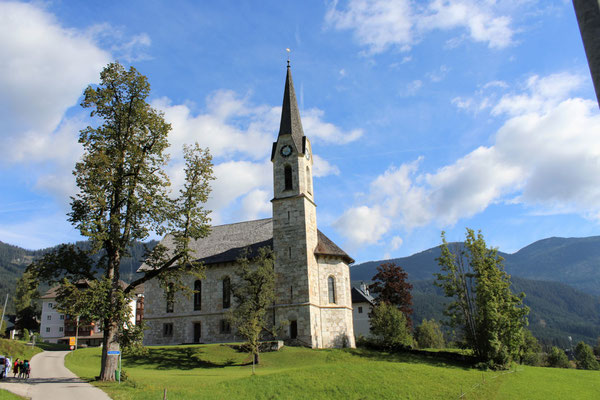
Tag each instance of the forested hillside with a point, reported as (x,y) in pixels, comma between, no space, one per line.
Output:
(574,261)
(14,260)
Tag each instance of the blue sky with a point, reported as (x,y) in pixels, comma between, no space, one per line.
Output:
(424,115)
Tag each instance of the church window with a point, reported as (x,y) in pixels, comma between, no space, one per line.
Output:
(170,297)
(167,330)
(198,295)
(226,292)
(290,252)
(308,181)
(225,326)
(287,172)
(331,287)
(288,216)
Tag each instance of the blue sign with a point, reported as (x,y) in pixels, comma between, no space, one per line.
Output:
(113,353)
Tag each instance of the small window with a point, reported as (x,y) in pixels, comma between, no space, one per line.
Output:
(48,329)
(60,329)
(226,292)
(331,287)
(198,295)
(360,310)
(49,317)
(50,305)
(167,330)
(170,297)
(225,326)
(287,172)
(62,316)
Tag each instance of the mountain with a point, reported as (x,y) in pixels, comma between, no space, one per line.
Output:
(574,261)
(14,260)
(557,311)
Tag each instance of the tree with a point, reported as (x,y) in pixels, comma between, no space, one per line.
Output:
(557,358)
(123,197)
(390,325)
(585,357)
(391,286)
(26,303)
(489,315)
(254,293)
(597,348)
(531,350)
(429,335)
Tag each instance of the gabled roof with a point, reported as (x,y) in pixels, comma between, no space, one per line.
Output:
(358,296)
(290,115)
(226,243)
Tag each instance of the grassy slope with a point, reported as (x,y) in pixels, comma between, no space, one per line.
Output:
(219,372)
(16,348)
(6,395)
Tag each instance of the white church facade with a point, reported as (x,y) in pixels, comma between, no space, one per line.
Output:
(313,294)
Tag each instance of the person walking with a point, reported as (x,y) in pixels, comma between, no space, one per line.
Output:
(16,368)
(27,368)
(21,369)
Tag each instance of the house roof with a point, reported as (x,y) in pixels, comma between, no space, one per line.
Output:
(358,296)
(226,243)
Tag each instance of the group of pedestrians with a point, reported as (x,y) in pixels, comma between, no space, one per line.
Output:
(21,369)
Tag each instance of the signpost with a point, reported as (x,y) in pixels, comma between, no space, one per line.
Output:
(72,341)
(116,353)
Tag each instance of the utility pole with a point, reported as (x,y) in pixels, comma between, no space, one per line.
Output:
(3,311)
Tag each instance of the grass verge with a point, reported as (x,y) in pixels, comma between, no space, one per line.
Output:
(220,372)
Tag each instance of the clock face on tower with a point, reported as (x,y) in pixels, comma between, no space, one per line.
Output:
(286,150)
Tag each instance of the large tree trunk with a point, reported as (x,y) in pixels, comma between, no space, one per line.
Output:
(110,362)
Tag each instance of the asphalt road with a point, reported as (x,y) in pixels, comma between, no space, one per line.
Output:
(51,380)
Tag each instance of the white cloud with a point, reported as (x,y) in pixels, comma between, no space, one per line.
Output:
(395,243)
(439,74)
(544,156)
(363,225)
(316,129)
(44,70)
(256,204)
(323,168)
(382,24)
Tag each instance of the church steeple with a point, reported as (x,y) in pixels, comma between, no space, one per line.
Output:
(290,115)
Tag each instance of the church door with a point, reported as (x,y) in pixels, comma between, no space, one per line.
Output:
(197,332)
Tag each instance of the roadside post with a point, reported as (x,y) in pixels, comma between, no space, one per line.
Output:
(116,353)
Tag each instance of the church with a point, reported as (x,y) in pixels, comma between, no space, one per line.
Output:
(313,296)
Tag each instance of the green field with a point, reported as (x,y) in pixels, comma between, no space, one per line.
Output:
(220,372)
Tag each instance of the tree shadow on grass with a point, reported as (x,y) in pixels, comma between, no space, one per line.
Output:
(434,359)
(184,358)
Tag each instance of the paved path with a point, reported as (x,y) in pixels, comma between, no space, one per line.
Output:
(51,380)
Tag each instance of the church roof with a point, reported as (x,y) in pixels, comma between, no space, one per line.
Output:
(226,243)
(290,115)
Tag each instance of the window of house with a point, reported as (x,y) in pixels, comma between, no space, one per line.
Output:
(287,172)
(331,287)
(49,317)
(226,292)
(167,330)
(308,181)
(60,329)
(360,310)
(170,297)
(198,295)
(225,326)
(48,329)
(50,305)
(62,316)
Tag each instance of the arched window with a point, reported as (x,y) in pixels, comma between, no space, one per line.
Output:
(331,287)
(226,292)
(170,297)
(287,172)
(198,295)
(308,180)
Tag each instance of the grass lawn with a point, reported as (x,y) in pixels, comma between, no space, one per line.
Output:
(17,348)
(220,372)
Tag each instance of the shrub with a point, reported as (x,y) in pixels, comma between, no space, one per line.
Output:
(26,336)
(585,357)
(557,358)
(530,349)
(390,326)
(429,335)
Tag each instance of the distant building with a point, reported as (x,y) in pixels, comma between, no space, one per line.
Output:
(312,274)
(57,327)
(362,304)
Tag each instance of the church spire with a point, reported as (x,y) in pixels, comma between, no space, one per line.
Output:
(290,115)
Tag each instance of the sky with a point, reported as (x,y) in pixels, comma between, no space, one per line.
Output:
(424,116)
